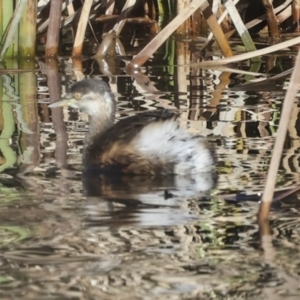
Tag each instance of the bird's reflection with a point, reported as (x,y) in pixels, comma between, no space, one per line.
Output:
(115,200)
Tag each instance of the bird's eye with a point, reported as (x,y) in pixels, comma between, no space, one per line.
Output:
(77,95)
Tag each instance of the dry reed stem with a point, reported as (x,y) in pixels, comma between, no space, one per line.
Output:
(184,27)
(240,26)
(127,6)
(110,6)
(271,18)
(262,18)
(70,8)
(220,20)
(287,193)
(53,28)
(84,18)
(244,56)
(216,29)
(279,142)
(161,37)
(296,14)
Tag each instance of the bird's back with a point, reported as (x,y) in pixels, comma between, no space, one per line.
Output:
(148,143)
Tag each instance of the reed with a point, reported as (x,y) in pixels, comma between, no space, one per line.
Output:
(28,118)
(290,98)
(27,30)
(6,14)
(7,125)
(53,29)
(25,43)
(18,28)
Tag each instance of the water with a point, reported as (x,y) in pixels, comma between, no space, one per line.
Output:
(68,237)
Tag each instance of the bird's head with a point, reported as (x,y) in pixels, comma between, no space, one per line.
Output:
(92,96)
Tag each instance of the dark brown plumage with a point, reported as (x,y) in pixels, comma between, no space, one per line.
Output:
(112,150)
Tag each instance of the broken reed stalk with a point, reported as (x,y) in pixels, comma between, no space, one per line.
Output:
(287,193)
(244,56)
(271,18)
(289,99)
(220,20)
(84,18)
(53,28)
(126,8)
(161,37)
(240,27)
(216,29)
(281,8)
(110,6)
(70,8)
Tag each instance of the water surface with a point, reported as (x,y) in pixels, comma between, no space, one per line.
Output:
(64,236)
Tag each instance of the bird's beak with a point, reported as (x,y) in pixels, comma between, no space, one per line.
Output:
(63,102)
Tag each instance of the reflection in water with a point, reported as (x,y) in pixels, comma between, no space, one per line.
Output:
(29,139)
(142,200)
(68,235)
(138,236)
(54,85)
(8,156)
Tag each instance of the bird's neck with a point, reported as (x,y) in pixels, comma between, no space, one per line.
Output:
(97,126)
(101,118)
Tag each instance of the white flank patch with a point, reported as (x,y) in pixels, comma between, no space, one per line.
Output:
(168,143)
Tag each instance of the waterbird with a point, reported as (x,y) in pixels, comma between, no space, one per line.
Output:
(148,143)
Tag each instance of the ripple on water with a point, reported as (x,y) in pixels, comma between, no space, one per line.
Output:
(64,236)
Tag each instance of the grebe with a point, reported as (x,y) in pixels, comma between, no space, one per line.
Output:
(149,143)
